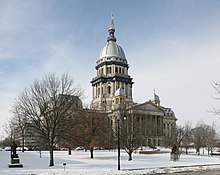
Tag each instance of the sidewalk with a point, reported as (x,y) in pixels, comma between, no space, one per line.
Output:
(175,169)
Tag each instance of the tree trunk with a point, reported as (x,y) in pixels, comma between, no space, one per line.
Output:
(69,151)
(198,151)
(186,150)
(23,143)
(40,153)
(51,156)
(91,153)
(129,156)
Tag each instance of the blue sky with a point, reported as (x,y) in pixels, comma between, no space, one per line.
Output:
(171,46)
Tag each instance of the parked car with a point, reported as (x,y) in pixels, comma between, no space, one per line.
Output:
(79,148)
(7,148)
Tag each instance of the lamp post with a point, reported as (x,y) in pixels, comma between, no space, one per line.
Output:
(119,167)
(119,141)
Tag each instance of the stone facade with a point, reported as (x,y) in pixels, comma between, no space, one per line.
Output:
(112,93)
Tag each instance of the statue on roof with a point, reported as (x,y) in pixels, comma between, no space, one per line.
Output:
(156,99)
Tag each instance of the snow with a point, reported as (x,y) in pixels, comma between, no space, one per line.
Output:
(104,163)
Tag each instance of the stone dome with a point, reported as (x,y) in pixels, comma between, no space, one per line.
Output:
(112,51)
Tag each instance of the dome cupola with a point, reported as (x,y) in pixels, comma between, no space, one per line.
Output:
(112,85)
(112,51)
(111,31)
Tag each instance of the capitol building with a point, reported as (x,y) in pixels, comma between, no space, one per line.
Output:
(112,94)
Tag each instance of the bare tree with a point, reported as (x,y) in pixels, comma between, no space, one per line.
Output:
(216,87)
(91,130)
(131,135)
(183,136)
(199,136)
(187,138)
(20,124)
(49,105)
(179,135)
(9,131)
(210,133)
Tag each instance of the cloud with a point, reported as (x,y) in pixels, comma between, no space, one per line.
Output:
(65,57)
(181,74)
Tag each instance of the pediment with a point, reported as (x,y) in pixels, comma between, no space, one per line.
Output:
(149,107)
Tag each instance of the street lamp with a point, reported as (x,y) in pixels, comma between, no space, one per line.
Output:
(118,119)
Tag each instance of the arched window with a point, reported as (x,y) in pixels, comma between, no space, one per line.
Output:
(117,101)
(159,142)
(109,89)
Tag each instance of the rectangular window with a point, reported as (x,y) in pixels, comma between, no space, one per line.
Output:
(109,70)
(116,70)
(123,71)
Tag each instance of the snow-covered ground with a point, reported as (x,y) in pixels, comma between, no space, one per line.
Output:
(104,163)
